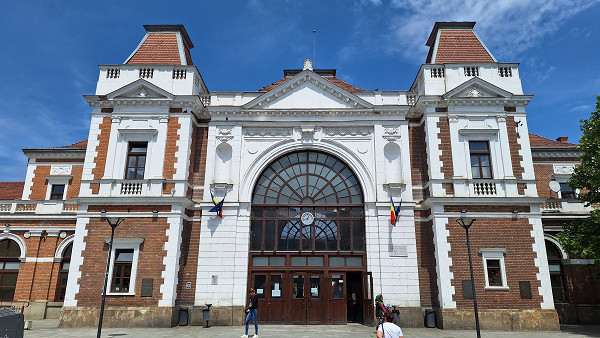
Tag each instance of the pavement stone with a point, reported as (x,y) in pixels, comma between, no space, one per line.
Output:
(49,328)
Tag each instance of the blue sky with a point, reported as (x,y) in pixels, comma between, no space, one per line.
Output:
(51,49)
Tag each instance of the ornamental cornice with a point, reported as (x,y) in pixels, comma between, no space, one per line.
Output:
(356,131)
(268,132)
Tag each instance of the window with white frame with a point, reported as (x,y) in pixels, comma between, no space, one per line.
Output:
(481,164)
(136,160)
(57,187)
(493,266)
(123,265)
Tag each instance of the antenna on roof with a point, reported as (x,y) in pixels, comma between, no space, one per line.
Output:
(314,39)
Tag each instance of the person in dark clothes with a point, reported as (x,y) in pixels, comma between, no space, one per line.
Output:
(380,309)
(251,311)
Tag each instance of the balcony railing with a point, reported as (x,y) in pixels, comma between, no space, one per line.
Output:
(38,207)
(484,188)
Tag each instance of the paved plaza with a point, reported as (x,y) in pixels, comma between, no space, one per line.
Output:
(49,328)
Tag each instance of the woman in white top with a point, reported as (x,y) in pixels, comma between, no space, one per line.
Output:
(389,329)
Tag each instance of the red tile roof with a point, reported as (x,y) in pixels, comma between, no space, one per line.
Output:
(344,85)
(11,190)
(80,144)
(538,141)
(456,46)
(161,49)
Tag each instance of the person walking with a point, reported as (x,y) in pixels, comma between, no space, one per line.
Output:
(389,329)
(380,309)
(251,311)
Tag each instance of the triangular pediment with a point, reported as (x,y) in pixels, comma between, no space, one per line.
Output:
(307,90)
(477,88)
(140,89)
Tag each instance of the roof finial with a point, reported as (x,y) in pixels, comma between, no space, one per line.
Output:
(307,65)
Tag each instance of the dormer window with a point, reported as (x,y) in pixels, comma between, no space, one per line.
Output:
(57,192)
(136,160)
(481,165)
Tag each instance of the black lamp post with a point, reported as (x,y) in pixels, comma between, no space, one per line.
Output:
(466,223)
(113,222)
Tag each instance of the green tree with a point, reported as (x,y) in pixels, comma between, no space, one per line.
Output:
(583,236)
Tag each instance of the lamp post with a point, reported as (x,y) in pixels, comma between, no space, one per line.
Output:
(113,222)
(466,223)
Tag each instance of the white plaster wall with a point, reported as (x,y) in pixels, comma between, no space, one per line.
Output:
(76,261)
(443,261)
(541,260)
(171,260)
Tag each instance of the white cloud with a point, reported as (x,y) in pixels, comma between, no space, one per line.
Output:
(585,108)
(507,27)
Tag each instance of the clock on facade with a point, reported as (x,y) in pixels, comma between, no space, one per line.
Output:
(307,218)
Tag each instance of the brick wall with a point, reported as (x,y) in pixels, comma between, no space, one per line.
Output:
(445,148)
(102,148)
(199,159)
(516,158)
(512,235)
(38,280)
(427,264)
(188,262)
(149,262)
(75,183)
(418,158)
(543,176)
(171,147)
(40,184)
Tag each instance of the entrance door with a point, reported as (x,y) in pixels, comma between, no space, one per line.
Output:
(306,304)
(275,301)
(269,288)
(337,300)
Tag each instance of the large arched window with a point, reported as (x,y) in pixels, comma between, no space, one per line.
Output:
(9,268)
(556,275)
(318,186)
(63,273)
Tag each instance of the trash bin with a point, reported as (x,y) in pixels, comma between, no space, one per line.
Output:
(206,314)
(11,323)
(429,318)
(183,316)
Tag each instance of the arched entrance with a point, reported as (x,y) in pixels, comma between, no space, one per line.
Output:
(307,242)
(9,268)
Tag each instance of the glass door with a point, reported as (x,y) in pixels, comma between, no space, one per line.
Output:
(337,298)
(306,305)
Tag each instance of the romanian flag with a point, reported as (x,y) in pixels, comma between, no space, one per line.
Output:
(395,211)
(218,208)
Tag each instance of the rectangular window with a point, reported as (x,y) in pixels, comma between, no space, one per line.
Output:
(495,272)
(566,191)
(136,160)
(121,275)
(481,165)
(57,192)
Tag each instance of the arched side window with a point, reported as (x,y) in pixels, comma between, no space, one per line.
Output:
(307,200)
(63,273)
(556,276)
(10,252)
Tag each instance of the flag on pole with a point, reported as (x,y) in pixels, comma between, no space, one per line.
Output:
(395,211)
(218,208)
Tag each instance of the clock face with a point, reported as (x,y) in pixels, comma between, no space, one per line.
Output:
(307,218)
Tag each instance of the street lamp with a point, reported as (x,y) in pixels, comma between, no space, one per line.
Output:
(466,223)
(113,222)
